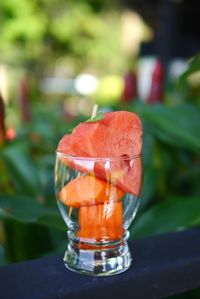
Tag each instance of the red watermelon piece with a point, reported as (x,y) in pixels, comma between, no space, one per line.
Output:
(117,135)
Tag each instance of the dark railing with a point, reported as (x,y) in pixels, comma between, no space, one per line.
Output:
(162,265)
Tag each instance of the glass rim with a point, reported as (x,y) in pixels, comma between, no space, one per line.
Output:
(121,158)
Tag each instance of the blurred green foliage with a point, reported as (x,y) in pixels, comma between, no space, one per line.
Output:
(30,223)
(37,33)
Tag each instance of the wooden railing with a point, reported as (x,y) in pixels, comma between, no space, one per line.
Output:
(162,265)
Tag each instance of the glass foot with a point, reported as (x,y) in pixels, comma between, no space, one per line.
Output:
(98,260)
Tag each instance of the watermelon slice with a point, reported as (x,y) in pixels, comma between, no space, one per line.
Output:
(118,136)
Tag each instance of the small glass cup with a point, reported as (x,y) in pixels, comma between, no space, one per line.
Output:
(98,199)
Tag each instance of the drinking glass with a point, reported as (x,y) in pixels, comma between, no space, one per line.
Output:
(98,199)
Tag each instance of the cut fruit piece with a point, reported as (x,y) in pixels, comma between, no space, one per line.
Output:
(115,135)
(102,222)
(118,135)
(124,173)
(89,190)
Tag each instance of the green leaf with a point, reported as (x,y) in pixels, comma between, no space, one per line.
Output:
(53,220)
(178,126)
(148,144)
(193,68)
(174,213)
(149,186)
(21,208)
(3,260)
(21,167)
(28,210)
(99,116)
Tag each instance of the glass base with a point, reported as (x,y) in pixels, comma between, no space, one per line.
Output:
(98,259)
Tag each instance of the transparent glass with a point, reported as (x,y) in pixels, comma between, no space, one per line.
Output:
(98,199)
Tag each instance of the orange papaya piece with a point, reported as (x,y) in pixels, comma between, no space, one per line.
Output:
(89,190)
(102,222)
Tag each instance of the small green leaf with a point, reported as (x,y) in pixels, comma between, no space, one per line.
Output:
(99,116)
(70,130)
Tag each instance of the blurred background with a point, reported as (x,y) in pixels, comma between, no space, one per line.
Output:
(60,57)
